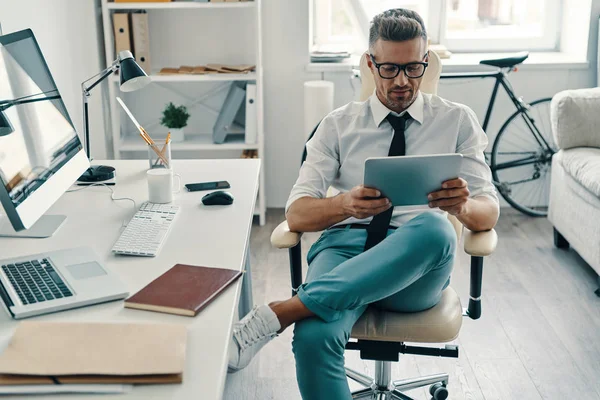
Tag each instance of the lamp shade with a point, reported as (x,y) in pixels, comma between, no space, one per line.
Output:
(6,127)
(132,76)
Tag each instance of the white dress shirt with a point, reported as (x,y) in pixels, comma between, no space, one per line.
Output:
(349,135)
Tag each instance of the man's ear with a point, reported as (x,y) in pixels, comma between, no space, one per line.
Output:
(367,64)
(426,59)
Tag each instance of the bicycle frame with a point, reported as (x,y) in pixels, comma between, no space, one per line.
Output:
(500,78)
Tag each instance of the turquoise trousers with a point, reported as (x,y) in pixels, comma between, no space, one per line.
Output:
(406,272)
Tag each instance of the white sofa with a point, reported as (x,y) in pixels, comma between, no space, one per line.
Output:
(575,191)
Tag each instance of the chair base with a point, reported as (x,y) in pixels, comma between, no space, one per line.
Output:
(383,388)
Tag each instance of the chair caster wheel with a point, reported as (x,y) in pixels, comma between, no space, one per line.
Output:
(438,391)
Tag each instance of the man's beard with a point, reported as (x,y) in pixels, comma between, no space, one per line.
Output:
(399,104)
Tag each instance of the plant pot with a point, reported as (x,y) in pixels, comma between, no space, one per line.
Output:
(177,134)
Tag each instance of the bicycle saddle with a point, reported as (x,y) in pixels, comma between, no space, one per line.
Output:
(507,61)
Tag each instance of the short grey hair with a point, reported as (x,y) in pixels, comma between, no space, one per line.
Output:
(397,25)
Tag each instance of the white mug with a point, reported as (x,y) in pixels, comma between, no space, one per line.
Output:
(160,185)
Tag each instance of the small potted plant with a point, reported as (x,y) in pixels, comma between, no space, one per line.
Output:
(175,118)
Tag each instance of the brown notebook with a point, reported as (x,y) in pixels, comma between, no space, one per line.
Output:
(183,290)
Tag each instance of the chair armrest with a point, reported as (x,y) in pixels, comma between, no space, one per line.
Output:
(283,238)
(480,244)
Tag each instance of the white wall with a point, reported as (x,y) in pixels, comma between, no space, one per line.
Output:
(285,58)
(285,55)
(66,31)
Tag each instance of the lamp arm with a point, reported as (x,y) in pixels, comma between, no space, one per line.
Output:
(123,56)
(103,75)
(85,94)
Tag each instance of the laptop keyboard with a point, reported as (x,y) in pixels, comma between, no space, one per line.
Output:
(36,281)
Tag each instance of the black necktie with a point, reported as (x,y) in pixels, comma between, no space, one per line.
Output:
(377,230)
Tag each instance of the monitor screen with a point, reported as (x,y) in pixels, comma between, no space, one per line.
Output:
(37,137)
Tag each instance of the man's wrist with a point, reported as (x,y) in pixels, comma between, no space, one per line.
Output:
(466,209)
(339,205)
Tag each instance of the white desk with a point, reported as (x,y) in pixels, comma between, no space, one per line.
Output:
(216,236)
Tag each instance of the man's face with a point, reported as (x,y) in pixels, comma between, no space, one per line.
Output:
(397,93)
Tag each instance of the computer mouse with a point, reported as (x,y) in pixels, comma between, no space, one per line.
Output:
(218,198)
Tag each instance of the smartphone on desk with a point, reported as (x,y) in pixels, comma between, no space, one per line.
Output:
(194,187)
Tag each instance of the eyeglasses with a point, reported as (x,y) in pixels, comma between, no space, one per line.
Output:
(412,70)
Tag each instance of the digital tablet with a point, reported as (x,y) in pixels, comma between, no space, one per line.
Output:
(407,180)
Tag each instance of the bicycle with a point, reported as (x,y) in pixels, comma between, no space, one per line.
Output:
(518,167)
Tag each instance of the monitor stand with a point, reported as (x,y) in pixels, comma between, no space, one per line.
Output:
(43,228)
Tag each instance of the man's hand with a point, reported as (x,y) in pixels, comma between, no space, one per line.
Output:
(452,198)
(362,202)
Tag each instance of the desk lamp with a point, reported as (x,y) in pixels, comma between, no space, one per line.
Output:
(131,77)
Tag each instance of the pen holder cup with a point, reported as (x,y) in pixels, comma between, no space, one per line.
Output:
(159,155)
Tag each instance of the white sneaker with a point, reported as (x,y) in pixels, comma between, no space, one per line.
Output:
(250,335)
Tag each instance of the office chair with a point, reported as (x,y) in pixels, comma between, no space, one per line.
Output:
(381,335)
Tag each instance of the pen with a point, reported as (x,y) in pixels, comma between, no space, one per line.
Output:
(167,141)
(151,143)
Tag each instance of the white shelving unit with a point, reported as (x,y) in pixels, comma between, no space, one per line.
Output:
(197,78)
(192,142)
(178,5)
(128,145)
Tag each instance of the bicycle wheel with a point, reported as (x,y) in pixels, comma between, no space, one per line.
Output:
(521,159)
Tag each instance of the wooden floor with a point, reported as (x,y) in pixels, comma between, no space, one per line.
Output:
(538,337)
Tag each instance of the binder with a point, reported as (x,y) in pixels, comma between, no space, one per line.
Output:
(141,40)
(251,123)
(122,32)
(224,124)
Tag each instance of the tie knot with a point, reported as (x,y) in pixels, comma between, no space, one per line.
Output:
(398,123)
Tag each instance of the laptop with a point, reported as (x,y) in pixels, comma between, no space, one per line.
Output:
(55,281)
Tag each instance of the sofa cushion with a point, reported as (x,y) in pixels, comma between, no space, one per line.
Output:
(583,165)
(575,116)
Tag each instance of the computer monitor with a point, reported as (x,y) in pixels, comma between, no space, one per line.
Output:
(41,155)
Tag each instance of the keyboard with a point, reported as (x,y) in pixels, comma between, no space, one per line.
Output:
(36,281)
(147,230)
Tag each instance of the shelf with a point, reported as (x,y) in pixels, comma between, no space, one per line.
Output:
(251,76)
(179,5)
(125,142)
(192,142)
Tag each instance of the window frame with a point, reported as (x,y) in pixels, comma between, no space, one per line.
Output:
(548,42)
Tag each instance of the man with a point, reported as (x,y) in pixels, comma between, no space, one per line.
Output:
(369,253)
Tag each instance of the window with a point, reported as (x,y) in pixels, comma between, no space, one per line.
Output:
(483,25)
(460,25)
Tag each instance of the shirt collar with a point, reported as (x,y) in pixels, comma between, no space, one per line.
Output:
(380,111)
